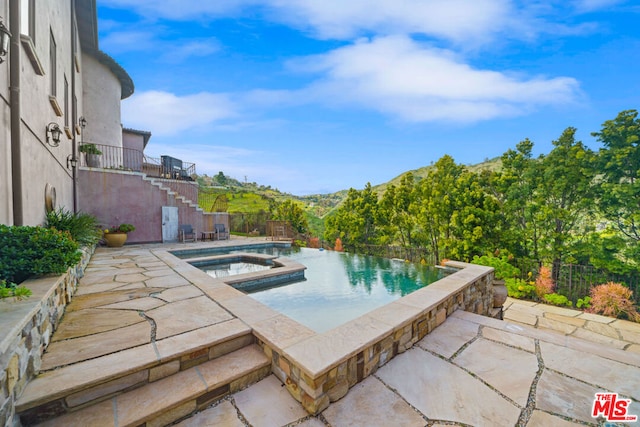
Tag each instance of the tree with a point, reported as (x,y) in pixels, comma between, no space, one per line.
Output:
(355,221)
(515,188)
(619,163)
(292,212)
(438,191)
(565,194)
(221,179)
(395,212)
(475,223)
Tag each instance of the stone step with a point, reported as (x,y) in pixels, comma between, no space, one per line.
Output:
(76,385)
(169,399)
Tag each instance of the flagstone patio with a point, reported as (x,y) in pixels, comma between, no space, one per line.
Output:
(540,367)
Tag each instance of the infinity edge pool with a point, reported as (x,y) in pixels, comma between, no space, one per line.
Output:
(320,368)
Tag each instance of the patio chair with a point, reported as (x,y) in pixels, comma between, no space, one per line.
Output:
(186,233)
(221,232)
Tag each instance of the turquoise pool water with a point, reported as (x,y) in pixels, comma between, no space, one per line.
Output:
(340,287)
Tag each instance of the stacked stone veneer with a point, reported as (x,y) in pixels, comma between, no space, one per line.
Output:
(26,329)
(320,368)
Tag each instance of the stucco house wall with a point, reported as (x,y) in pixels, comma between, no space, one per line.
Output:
(101,92)
(40,163)
(53,91)
(125,197)
(6,203)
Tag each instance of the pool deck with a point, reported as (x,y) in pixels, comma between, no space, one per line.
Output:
(540,367)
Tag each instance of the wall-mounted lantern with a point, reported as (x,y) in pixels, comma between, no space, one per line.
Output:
(72,162)
(5,37)
(53,134)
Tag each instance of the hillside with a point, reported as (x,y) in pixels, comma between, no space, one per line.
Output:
(252,197)
(491,164)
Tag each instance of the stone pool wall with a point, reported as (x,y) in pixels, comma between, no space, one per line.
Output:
(26,329)
(321,369)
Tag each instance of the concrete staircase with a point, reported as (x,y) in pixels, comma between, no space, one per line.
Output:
(176,194)
(152,384)
(138,199)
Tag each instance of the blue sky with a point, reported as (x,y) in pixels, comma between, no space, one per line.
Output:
(315,96)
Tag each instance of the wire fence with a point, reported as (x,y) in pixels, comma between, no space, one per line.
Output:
(576,281)
(255,223)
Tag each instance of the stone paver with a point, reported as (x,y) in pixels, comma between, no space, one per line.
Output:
(593,369)
(81,302)
(370,404)
(507,369)
(565,396)
(556,325)
(524,343)
(179,293)
(138,304)
(570,320)
(268,404)
(542,419)
(442,391)
(62,353)
(521,317)
(223,414)
(471,369)
(92,321)
(588,335)
(448,338)
(186,315)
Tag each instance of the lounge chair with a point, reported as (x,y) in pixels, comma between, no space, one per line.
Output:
(186,233)
(221,232)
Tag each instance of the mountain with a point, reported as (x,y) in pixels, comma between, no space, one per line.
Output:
(252,197)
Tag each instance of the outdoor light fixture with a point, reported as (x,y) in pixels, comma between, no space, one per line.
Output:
(82,122)
(53,134)
(5,36)
(72,162)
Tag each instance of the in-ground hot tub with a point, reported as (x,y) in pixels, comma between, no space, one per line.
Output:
(250,272)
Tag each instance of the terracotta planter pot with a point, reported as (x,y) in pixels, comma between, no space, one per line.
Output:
(499,293)
(115,240)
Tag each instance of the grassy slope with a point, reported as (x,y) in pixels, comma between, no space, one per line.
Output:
(251,197)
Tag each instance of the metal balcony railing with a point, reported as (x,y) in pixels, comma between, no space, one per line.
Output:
(127,159)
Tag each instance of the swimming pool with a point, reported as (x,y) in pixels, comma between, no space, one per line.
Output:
(340,286)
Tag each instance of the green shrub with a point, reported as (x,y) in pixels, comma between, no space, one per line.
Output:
(12,290)
(584,302)
(503,270)
(122,228)
(557,299)
(517,288)
(83,227)
(26,251)
(89,149)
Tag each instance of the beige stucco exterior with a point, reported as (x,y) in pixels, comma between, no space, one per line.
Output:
(87,83)
(101,93)
(6,203)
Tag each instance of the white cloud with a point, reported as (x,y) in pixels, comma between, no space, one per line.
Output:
(457,20)
(179,50)
(397,76)
(463,22)
(119,41)
(163,113)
